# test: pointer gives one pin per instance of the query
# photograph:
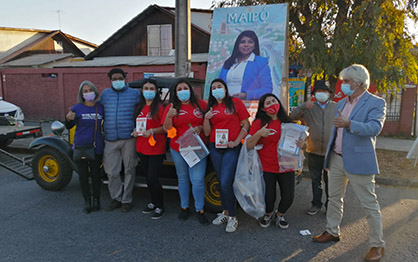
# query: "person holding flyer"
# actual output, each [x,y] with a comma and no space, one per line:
[150,143]
[183,112]
[226,121]
[266,130]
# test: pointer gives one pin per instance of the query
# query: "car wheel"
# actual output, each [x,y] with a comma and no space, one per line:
[50,169]
[5,142]
[212,193]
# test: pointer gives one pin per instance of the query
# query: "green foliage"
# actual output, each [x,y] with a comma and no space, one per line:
[329,35]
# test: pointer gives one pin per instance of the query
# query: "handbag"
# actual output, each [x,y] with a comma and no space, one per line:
[86,152]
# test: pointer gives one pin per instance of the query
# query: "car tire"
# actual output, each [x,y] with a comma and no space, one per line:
[51,169]
[5,142]
[212,193]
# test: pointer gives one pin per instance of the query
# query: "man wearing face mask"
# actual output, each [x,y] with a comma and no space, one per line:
[351,156]
[119,103]
[318,117]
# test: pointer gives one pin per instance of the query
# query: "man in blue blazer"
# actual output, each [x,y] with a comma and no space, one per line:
[351,156]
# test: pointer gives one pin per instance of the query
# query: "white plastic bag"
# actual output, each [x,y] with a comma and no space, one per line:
[249,184]
[192,148]
[289,154]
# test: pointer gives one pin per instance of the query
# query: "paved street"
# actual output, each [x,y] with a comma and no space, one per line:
[37,225]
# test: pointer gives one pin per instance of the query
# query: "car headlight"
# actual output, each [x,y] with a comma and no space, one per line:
[19,116]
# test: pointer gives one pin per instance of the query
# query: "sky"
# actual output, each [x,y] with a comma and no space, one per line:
[91,20]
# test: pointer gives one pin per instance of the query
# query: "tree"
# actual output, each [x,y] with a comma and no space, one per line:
[329,35]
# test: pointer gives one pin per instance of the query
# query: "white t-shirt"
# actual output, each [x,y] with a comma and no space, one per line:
[235,75]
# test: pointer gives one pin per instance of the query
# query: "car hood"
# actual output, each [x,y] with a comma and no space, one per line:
[7,107]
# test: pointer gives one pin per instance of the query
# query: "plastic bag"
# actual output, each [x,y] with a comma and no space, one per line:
[192,148]
[249,184]
[289,154]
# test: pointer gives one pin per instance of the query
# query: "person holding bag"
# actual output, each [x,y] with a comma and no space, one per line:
[266,130]
[151,144]
[183,112]
[226,121]
[87,115]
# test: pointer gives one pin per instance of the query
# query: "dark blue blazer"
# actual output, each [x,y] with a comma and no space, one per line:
[256,80]
[359,143]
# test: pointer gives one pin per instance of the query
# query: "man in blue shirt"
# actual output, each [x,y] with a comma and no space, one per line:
[119,103]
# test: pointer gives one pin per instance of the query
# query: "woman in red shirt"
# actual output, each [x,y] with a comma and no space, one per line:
[226,121]
[186,111]
[150,144]
[266,130]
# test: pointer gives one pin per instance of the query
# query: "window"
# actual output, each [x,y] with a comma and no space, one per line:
[393,106]
[159,40]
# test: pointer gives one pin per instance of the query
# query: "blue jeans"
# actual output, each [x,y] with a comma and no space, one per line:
[195,175]
[317,172]
[224,162]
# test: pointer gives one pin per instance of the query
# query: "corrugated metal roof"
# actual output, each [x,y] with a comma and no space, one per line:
[36,60]
[130,61]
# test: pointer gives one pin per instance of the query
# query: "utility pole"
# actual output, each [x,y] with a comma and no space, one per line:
[182,39]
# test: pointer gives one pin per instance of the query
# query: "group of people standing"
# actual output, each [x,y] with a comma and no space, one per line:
[342,140]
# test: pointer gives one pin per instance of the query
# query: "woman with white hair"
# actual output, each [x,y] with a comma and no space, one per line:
[87,115]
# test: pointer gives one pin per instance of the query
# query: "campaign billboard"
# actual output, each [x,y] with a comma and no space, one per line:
[247,50]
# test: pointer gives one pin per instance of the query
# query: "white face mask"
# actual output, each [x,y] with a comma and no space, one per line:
[321,97]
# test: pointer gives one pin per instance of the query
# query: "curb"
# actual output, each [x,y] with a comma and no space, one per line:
[381,180]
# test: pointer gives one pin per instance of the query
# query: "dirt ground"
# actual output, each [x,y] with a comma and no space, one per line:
[394,165]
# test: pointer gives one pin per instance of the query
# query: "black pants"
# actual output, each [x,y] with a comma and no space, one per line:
[317,172]
[87,169]
[287,190]
[151,165]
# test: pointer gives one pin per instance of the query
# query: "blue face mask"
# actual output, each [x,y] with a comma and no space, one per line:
[118,84]
[321,97]
[218,93]
[346,89]
[183,95]
[149,95]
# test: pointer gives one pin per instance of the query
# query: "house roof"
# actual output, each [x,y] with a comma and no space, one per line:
[129,61]
[76,39]
[203,25]
[39,60]
[39,37]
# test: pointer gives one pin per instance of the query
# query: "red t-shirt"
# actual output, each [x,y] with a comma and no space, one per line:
[268,154]
[142,145]
[223,119]
[188,115]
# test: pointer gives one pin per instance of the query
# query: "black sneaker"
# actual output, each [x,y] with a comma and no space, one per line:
[149,209]
[202,218]
[313,210]
[266,221]
[158,213]
[184,214]
[114,205]
[281,222]
[126,207]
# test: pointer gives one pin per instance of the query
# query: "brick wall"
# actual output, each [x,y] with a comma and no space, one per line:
[45,98]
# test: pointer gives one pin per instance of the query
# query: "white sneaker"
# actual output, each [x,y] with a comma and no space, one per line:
[220,219]
[232,225]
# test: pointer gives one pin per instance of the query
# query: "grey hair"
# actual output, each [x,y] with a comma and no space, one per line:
[80,98]
[358,73]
